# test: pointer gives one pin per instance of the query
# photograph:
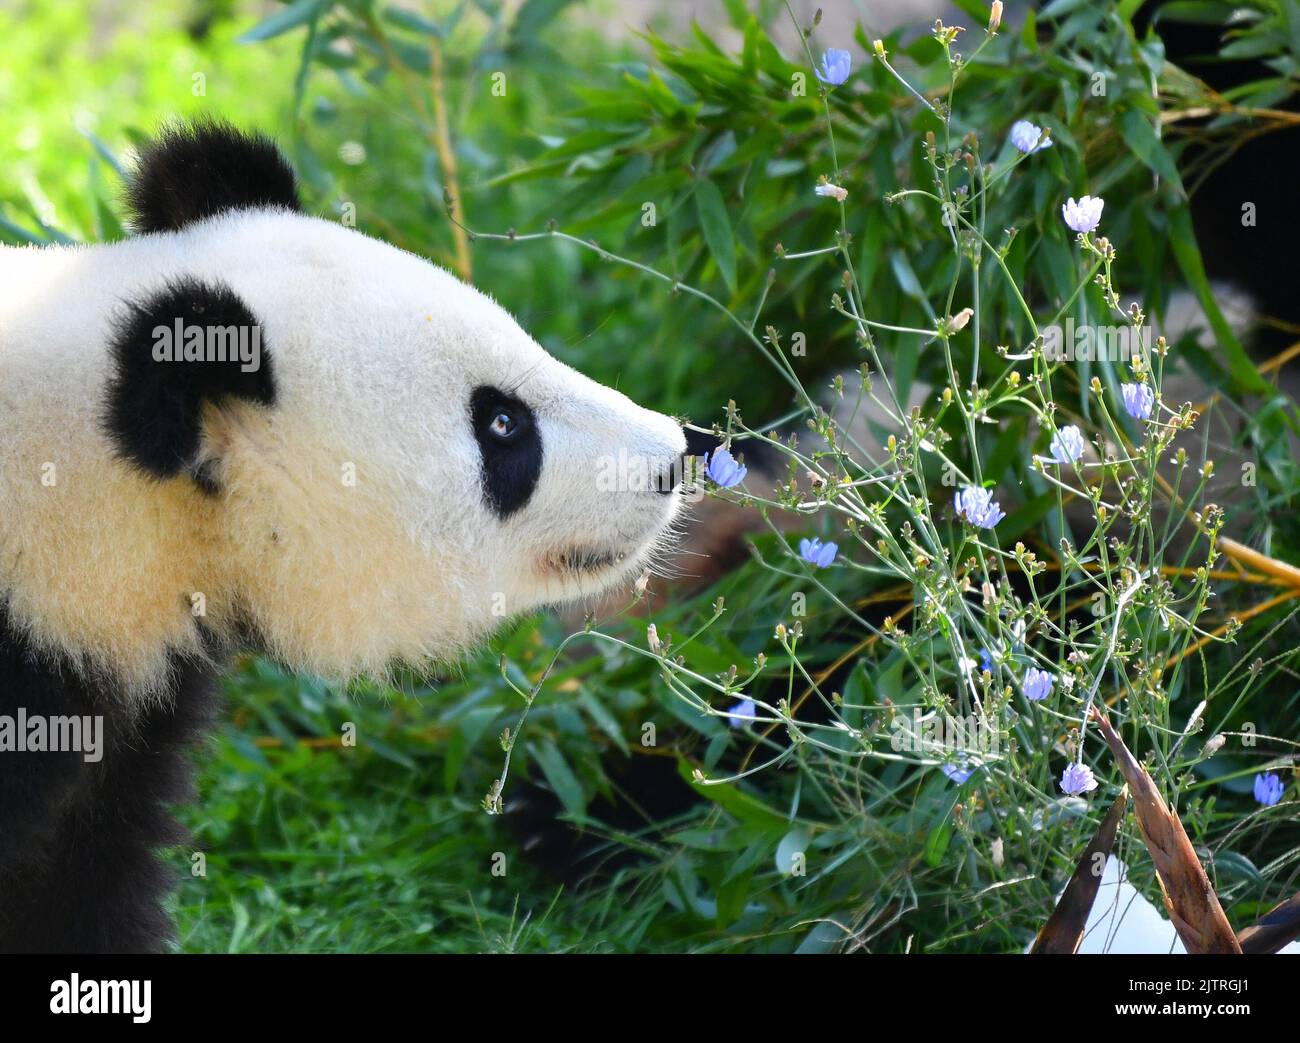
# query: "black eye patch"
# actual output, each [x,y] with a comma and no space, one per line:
[510,448]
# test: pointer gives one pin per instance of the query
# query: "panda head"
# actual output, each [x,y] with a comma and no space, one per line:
[382,467]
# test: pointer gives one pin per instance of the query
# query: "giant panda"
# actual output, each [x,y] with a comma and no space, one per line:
[394,468]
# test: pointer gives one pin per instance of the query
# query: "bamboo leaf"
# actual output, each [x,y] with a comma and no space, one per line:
[1193,906]
[1276,928]
[1183,241]
[717,229]
[287,18]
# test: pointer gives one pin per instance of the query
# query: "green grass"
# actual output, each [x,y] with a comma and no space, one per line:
[350,849]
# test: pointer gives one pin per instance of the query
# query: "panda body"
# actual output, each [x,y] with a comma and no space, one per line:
[401,468]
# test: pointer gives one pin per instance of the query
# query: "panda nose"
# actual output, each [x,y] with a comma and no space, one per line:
[669,477]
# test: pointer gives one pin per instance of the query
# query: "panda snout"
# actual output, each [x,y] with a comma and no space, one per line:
[670,474]
[668,466]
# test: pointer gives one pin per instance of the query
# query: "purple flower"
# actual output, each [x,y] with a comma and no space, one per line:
[986,661]
[724,470]
[959,770]
[741,714]
[1025,136]
[1067,445]
[1268,789]
[1138,400]
[835,68]
[1076,779]
[816,553]
[1085,215]
[978,507]
[1037,684]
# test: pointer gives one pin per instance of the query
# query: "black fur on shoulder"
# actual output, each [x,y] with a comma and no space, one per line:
[195,170]
[190,343]
[79,868]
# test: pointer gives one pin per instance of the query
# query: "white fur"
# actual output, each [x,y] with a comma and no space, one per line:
[374,353]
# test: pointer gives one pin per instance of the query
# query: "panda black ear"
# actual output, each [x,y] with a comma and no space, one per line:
[195,170]
[192,343]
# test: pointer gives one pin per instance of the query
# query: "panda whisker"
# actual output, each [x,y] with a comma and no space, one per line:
[514,390]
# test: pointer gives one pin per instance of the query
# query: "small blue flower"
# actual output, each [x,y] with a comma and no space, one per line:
[1025,136]
[816,553]
[1268,789]
[835,68]
[724,470]
[741,714]
[1067,445]
[978,507]
[1138,400]
[959,770]
[1077,779]
[1037,684]
[1085,215]
[986,661]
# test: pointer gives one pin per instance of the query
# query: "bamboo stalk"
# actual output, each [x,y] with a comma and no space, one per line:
[447,160]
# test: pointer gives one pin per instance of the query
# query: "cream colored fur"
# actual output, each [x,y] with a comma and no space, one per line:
[374,353]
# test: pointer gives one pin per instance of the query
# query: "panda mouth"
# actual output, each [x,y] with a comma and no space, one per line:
[589,559]
[602,560]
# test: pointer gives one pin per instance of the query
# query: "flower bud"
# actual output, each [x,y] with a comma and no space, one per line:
[956,323]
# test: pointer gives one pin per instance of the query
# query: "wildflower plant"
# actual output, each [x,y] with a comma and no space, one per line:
[1087,580]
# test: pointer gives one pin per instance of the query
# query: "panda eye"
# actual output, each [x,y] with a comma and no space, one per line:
[503,425]
[509,445]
